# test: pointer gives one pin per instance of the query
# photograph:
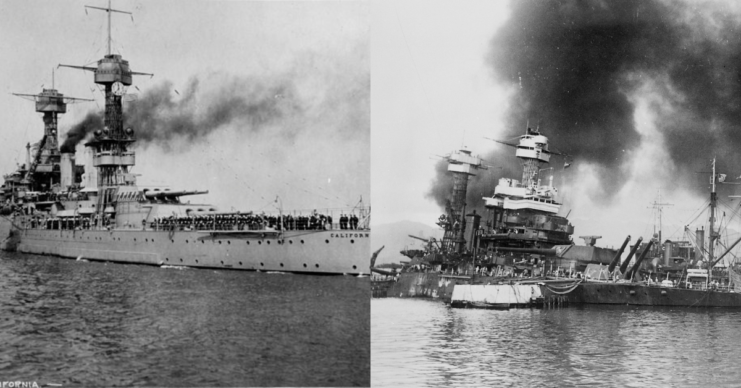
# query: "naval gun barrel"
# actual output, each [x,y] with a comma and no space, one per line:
[382,272]
[419,238]
[164,194]
[537,251]
[633,270]
[619,253]
[624,266]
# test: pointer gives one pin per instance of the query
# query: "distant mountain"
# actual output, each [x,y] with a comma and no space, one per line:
[395,237]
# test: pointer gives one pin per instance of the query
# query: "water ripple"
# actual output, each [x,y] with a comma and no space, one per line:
[424,343]
[96,324]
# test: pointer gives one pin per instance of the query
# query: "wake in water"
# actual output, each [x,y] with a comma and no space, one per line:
[173,266]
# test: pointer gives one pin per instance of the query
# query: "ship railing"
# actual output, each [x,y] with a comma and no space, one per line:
[253,222]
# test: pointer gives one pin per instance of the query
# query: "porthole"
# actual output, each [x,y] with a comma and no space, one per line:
[248,243]
[240,263]
[186,241]
[196,260]
[181,260]
[326,241]
[302,241]
[305,265]
[262,265]
[259,242]
[352,241]
[281,264]
[229,242]
[268,242]
[316,265]
[167,259]
[354,267]
[219,242]
[222,262]
[290,241]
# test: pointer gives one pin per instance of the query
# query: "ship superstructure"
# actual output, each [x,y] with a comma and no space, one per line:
[523,215]
[45,169]
[521,234]
[116,220]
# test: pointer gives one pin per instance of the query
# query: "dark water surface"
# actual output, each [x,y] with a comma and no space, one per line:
[423,343]
[80,323]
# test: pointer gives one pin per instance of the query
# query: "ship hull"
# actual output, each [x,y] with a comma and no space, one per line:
[304,251]
[640,295]
[418,285]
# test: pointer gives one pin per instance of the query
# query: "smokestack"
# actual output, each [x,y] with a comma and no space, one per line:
[90,177]
[28,155]
[67,169]
[472,225]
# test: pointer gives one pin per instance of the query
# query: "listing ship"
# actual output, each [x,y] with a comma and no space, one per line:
[521,236]
[48,209]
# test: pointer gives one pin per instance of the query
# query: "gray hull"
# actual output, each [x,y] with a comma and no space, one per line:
[303,251]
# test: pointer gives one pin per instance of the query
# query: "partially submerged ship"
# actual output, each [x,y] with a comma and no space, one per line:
[521,235]
[46,208]
[676,273]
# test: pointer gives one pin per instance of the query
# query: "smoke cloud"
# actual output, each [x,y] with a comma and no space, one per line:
[81,130]
[162,114]
[577,65]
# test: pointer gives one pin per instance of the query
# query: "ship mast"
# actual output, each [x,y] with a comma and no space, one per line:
[51,103]
[462,165]
[111,155]
[713,202]
[659,206]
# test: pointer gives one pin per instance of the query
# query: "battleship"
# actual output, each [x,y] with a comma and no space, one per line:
[676,273]
[521,236]
[48,208]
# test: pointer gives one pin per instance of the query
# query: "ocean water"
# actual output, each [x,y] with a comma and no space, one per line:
[423,343]
[78,323]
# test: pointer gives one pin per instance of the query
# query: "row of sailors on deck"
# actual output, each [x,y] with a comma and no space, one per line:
[67,223]
[315,221]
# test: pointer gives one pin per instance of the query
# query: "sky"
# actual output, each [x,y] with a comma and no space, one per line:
[445,75]
[414,80]
[302,69]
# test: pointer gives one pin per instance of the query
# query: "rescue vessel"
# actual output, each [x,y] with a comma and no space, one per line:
[47,208]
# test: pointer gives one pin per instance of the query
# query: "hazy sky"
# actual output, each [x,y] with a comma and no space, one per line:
[314,155]
[424,68]
[434,90]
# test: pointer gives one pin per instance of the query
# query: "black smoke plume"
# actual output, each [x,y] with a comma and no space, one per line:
[576,64]
[161,114]
[81,130]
